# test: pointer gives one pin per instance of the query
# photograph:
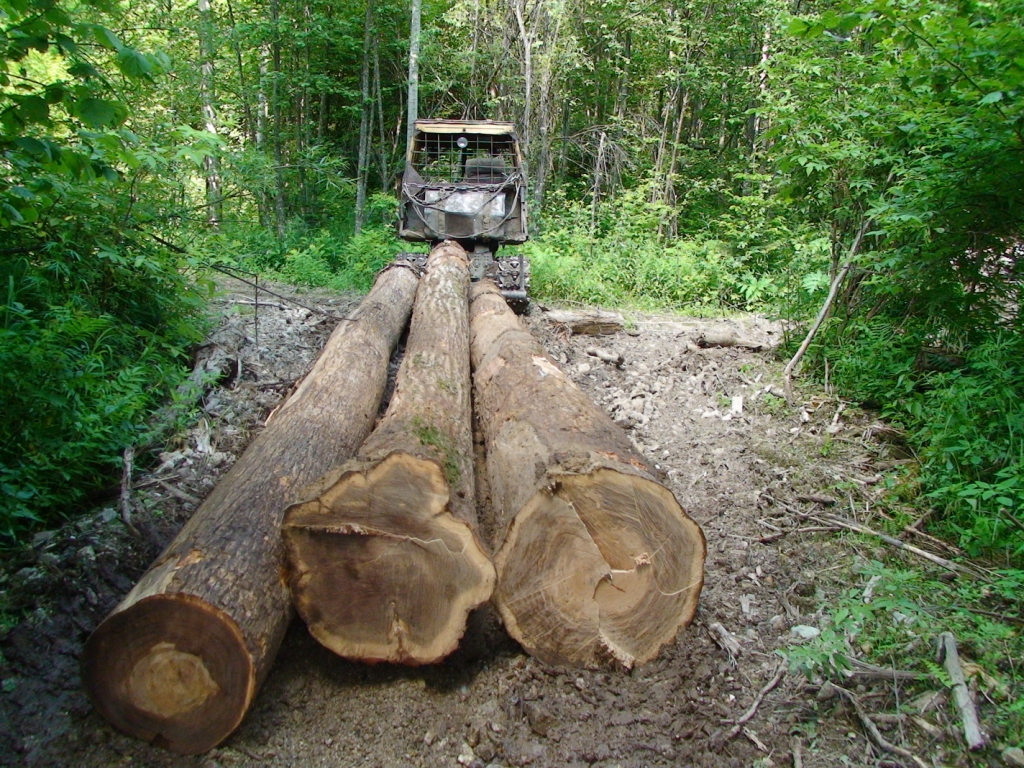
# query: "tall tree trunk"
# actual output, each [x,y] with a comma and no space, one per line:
[207,96]
[365,116]
[542,168]
[262,117]
[275,105]
[412,106]
[595,189]
[245,95]
[518,10]
[179,661]
[383,156]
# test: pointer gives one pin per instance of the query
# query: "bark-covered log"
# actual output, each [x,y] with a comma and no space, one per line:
[592,322]
[384,561]
[598,561]
[179,661]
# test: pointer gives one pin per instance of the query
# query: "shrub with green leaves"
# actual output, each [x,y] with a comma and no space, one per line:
[96,317]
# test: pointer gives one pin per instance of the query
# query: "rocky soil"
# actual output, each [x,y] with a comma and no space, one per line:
[753,470]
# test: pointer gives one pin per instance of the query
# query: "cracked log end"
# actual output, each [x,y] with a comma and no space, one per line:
[378,567]
[172,670]
[599,567]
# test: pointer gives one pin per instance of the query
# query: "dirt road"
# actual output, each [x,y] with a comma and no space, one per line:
[744,463]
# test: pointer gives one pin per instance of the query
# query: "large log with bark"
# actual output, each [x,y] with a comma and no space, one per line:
[179,661]
[384,561]
[598,562]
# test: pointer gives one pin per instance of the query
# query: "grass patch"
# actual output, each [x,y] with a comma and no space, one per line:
[893,617]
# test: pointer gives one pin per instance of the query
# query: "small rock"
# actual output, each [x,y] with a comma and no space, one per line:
[805,632]
[541,721]
[42,538]
[583,368]
[1013,756]
[485,751]
[466,756]
[429,738]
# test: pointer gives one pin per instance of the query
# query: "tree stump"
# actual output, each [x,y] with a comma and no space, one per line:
[179,661]
[384,561]
[598,562]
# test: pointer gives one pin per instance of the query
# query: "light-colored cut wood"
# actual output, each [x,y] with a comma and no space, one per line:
[597,561]
[384,560]
[592,322]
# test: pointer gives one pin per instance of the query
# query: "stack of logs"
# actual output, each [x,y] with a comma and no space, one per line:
[371,533]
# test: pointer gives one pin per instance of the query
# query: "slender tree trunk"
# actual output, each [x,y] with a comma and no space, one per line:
[262,117]
[211,163]
[518,9]
[412,107]
[542,168]
[248,125]
[275,100]
[366,114]
[383,156]
[595,190]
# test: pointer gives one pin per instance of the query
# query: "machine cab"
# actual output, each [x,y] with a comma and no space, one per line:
[464,181]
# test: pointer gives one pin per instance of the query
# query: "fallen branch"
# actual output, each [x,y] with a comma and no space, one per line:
[607,356]
[873,732]
[126,489]
[797,747]
[823,312]
[811,529]
[725,337]
[894,542]
[726,640]
[968,713]
[863,669]
[178,493]
[749,714]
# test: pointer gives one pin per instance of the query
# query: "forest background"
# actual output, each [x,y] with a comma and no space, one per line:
[684,155]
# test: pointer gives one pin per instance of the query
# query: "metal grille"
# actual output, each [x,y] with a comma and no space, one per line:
[438,159]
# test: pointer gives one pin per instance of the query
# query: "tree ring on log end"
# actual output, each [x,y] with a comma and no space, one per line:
[172,670]
[600,566]
[378,567]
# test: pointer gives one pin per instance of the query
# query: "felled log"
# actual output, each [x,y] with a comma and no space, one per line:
[179,661]
[607,355]
[591,322]
[726,337]
[384,562]
[598,562]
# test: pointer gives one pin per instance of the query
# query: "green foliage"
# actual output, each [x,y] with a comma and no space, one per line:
[626,259]
[966,425]
[323,258]
[896,613]
[433,437]
[95,318]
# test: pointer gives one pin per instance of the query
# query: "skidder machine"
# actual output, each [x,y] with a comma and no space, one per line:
[464,181]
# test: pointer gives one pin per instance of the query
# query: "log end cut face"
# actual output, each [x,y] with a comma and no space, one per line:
[600,567]
[172,670]
[378,567]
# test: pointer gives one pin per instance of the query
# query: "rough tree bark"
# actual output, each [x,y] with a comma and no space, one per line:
[384,562]
[598,562]
[179,661]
